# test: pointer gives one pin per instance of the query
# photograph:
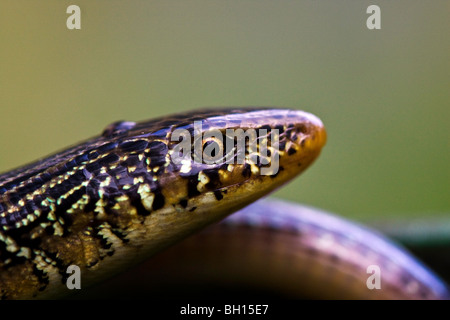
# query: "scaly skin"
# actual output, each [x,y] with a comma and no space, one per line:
[117,199]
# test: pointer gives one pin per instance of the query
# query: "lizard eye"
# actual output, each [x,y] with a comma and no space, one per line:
[213,149]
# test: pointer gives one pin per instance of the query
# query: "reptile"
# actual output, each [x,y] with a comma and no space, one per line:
[115,200]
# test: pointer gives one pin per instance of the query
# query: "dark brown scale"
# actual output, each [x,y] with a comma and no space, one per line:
[90,205]
[218,195]
[133,146]
[280,129]
[71,197]
[192,186]
[264,131]
[159,201]
[92,155]
[60,189]
[120,172]
[214,179]
[183,203]
[81,159]
[109,159]
[282,145]
[14,199]
[247,171]
[132,161]
[107,147]
[157,153]
[66,203]
[93,167]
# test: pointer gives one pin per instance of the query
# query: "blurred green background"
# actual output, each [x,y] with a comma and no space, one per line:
[384,95]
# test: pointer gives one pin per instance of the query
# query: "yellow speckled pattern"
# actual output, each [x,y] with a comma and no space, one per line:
[115,200]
